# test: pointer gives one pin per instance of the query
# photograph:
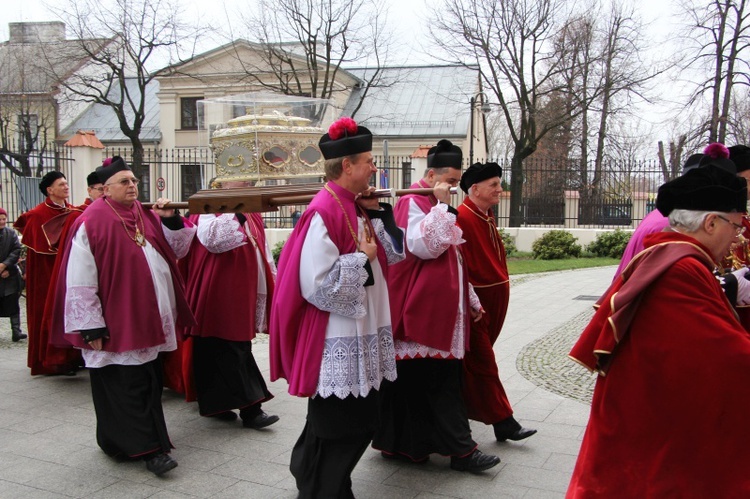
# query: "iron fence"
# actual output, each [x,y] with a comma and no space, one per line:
[604,197]
[19,193]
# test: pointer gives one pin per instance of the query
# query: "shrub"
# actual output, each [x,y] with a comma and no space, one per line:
[508,242]
[276,251]
[610,244]
[556,245]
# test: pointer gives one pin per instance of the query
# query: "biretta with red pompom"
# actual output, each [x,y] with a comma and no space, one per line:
[717,154]
[345,138]
[109,167]
[708,188]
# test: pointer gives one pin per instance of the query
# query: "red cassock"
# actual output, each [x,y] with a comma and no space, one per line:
[484,256]
[669,416]
[40,228]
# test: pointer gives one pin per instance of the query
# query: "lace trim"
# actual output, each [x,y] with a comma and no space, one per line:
[261,326]
[83,310]
[342,291]
[220,233]
[101,358]
[180,239]
[412,349]
[355,365]
[440,230]
[474,302]
[391,254]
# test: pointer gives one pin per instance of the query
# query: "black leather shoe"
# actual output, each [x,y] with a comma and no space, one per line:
[475,462]
[160,464]
[19,337]
[224,416]
[260,421]
[510,429]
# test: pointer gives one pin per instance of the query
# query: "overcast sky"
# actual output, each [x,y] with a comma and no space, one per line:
[406,18]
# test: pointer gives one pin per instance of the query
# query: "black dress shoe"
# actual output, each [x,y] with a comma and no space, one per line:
[475,462]
[160,464]
[225,416]
[260,421]
[19,337]
[510,429]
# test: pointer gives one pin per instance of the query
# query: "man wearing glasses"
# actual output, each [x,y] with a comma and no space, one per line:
[119,299]
[670,405]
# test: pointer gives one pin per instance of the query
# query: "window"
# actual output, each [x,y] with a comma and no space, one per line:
[28,130]
[192,180]
[189,113]
[239,110]
[144,188]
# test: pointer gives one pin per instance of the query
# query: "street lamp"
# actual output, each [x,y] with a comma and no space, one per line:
[484,106]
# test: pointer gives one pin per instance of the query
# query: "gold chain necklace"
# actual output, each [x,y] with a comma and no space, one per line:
[346,216]
[138,238]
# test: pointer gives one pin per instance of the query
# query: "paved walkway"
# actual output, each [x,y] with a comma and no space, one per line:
[48,446]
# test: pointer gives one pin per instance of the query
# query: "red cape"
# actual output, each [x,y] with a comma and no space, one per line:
[669,419]
[40,261]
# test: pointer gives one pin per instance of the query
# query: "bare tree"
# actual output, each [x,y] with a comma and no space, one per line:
[512,43]
[720,30]
[126,42]
[305,43]
[27,109]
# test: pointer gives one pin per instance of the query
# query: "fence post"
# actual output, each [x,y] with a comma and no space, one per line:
[87,155]
[572,198]
[503,209]
[640,200]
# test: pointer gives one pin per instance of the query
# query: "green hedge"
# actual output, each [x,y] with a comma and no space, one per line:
[556,245]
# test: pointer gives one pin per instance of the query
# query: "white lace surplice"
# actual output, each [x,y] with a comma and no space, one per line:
[358,352]
[83,310]
[429,235]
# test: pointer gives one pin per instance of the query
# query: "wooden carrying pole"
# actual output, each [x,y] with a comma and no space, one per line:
[266,198]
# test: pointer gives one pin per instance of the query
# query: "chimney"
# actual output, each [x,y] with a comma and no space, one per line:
[44,32]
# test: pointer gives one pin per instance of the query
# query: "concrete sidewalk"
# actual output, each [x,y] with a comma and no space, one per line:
[48,444]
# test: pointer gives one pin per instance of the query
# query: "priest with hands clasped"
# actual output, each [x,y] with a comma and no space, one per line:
[330,328]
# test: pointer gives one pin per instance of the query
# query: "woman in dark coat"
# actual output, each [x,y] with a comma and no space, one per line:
[11,282]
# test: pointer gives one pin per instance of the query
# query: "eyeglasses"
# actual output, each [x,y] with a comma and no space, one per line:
[738,228]
[125,182]
[100,188]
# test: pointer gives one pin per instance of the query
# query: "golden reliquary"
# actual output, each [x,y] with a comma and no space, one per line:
[270,145]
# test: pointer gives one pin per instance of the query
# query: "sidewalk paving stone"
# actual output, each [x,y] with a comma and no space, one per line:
[48,443]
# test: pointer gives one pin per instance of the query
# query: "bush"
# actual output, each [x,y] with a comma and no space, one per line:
[508,242]
[556,245]
[610,244]
[276,251]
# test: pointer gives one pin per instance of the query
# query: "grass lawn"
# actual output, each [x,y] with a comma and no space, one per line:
[524,264]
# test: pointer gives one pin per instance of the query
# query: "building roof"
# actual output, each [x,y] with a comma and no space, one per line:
[103,121]
[416,101]
[37,56]
[85,138]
